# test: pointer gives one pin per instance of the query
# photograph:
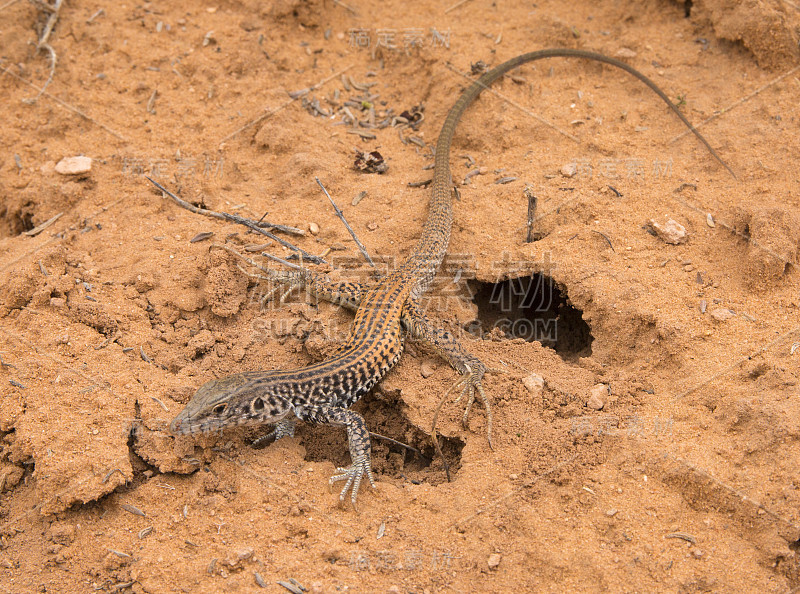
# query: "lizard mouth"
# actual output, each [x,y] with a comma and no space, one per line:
[184,426]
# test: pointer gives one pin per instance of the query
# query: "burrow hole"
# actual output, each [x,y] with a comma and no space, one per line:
[533,308]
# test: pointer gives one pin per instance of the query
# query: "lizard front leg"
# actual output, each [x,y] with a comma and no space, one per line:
[346,294]
[358,443]
[472,369]
[284,428]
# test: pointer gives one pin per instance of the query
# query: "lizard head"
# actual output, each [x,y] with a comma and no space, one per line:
[231,400]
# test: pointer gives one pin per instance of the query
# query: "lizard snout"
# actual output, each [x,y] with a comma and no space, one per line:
[175,426]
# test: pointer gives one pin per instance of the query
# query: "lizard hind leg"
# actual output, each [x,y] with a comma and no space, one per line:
[470,382]
[472,369]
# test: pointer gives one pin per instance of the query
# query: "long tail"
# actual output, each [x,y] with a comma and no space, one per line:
[436,234]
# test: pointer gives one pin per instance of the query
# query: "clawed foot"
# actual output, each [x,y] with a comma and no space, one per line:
[291,281]
[470,382]
[353,475]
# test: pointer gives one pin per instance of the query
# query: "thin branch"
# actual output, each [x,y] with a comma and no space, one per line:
[532,202]
[249,223]
[43,43]
[63,104]
[340,214]
[744,99]
[400,443]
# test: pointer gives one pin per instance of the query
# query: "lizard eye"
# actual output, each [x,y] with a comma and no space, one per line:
[258,404]
[219,409]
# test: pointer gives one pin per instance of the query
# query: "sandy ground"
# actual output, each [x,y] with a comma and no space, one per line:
[684,480]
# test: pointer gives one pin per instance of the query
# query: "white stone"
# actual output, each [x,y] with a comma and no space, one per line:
[597,397]
[74,165]
[534,382]
[569,170]
[671,231]
[722,314]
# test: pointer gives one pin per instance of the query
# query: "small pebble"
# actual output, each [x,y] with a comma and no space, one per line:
[671,231]
[494,560]
[722,314]
[74,165]
[710,220]
[597,397]
[426,369]
[595,403]
[534,382]
[372,226]
[313,228]
[625,52]
[569,170]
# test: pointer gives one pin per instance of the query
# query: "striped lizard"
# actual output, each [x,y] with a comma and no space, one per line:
[385,314]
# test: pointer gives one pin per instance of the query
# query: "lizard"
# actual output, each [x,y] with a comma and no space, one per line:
[385,314]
